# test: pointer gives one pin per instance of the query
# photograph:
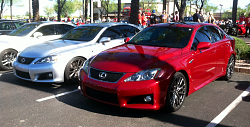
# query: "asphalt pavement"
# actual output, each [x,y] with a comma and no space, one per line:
[220,103]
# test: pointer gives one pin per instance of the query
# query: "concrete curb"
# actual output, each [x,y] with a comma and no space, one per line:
[242,70]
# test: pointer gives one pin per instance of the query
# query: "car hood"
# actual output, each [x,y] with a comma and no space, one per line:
[133,58]
[50,48]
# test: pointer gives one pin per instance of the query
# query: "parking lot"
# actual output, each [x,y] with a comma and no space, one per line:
[28,104]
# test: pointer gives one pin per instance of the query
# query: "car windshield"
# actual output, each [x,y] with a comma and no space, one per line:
[174,37]
[23,30]
[85,33]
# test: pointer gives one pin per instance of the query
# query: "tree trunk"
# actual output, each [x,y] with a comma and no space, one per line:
[181,9]
[35,7]
[164,5]
[86,10]
[1,11]
[134,12]
[119,11]
[83,10]
[60,6]
[234,10]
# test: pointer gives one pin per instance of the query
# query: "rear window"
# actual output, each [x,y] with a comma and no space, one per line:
[174,37]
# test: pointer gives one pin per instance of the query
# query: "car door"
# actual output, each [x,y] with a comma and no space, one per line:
[222,48]
[204,61]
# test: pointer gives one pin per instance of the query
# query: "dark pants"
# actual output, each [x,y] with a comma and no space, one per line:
[247,29]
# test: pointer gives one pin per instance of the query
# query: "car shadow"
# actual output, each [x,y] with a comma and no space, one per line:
[53,88]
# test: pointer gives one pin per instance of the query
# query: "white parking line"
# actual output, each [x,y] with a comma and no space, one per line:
[54,96]
[229,108]
[6,73]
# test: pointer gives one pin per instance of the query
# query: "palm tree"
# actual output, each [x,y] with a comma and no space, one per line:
[134,12]
[35,8]
[119,10]
[86,10]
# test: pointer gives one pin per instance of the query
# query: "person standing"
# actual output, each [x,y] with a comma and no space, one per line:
[144,20]
[211,18]
[139,19]
[153,18]
[201,16]
[196,16]
[176,17]
[242,18]
[247,20]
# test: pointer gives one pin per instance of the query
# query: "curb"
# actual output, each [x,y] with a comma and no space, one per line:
[242,70]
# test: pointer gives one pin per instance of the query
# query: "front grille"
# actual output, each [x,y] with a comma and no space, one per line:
[24,60]
[110,76]
[102,96]
[23,74]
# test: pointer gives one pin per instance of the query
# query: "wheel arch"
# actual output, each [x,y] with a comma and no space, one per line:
[187,78]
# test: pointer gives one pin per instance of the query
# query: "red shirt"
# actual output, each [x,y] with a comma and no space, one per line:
[139,18]
[247,21]
[242,18]
[144,20]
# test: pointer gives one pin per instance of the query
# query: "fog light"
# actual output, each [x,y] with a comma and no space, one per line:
[147,98]
[50,75]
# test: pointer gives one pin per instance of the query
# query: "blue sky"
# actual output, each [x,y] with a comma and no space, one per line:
[43,3]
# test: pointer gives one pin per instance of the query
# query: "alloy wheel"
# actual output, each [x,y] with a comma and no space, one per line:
[178,92]
[74,69]
[8,59]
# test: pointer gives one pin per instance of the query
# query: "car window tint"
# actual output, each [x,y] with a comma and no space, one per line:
[47,30]
[215,34]
[129,31]
[63,28]
[175,37]
[201,35]
[23,30]
[112,32]
[18,24]
[5,26]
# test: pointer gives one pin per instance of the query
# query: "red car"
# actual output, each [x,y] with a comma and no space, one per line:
[159,66]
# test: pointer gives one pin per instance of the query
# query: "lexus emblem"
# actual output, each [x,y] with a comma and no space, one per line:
[102,75]
[23,60]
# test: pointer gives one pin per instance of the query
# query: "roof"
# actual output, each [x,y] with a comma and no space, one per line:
[107,24]
[182,24]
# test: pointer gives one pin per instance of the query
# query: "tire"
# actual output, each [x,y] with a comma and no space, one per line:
[176,93]
[230,68]
[7,57]
[72,69]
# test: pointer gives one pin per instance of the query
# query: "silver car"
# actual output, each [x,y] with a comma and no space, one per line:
[27,35]
[60,60]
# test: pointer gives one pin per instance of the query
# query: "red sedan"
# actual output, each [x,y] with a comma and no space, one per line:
[159,66]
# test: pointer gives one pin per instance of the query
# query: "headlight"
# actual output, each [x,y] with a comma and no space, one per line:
[48,59]
[86,66]
[143,75]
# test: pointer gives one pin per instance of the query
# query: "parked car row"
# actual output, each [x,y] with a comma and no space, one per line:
[6,26]
[122,65]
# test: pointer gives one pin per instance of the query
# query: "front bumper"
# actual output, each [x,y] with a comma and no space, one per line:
[47,72]
[126,94]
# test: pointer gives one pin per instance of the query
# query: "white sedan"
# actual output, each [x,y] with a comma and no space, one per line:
[27,35]
[60,60]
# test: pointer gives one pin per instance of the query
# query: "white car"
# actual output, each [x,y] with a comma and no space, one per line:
[27,35]
[60,60]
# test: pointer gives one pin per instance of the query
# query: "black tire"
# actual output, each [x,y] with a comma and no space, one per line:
[7,57]
[176,93]
[72,69]
[230,68]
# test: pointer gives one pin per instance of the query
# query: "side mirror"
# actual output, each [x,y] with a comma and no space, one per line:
[203,45]
[37,34]
[126,39]
[105,39]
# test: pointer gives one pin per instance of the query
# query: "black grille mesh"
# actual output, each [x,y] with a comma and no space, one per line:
[111,76]
[26,60]
[23,74]
[102,96]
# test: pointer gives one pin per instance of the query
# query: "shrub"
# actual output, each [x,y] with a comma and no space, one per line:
[242,49]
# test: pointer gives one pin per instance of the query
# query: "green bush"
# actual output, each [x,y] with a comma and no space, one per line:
[242,49]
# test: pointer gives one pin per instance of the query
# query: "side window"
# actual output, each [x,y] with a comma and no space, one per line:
[47,30]
[6,26]
[215,34]
[62,29]
[129,31]
[112,32]
[201,35]
[17,24]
